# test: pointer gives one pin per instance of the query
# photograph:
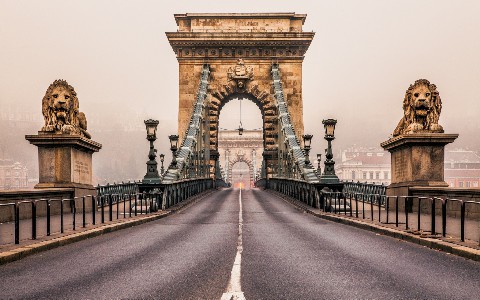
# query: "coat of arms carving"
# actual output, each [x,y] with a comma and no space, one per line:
[240,74]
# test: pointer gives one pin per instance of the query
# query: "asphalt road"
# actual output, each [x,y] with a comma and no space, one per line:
[285,254]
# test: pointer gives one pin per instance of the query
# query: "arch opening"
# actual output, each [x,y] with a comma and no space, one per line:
[234,148]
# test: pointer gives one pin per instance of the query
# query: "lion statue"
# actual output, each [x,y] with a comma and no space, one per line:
[60,110]
[422,106]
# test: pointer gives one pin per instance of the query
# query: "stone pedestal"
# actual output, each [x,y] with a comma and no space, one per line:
[65,161]
[417,160]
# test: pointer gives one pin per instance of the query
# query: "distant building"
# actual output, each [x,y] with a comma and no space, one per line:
[12,175]
[240,155]
[462,169]
[370,165]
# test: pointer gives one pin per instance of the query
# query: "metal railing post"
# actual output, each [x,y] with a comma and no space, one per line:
[61,215]
[462,221]
[17,223]
[74,210]
[396,211]
[34,220]
[419,214]
[110,208]
[406,211]
[444,217]
[84,221]
[48,218]
[433,217]
[371,197]
[102,208]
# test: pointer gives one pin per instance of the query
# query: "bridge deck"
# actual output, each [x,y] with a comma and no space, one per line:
[286,254]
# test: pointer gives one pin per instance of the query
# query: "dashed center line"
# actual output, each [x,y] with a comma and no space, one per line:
[234,288]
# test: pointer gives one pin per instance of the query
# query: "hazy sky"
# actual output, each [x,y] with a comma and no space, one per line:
[364,56]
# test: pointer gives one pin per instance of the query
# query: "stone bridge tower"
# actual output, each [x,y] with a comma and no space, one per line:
[240,49]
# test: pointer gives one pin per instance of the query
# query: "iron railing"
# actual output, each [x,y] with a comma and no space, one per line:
[365,188]
[406,216]
[423,215]
[114,202]
[118,188]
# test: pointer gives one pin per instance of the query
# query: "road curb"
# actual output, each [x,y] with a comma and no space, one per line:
[432,243]
[24,251]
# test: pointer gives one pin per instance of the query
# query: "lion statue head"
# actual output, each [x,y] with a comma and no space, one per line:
[422,106]
[60,110]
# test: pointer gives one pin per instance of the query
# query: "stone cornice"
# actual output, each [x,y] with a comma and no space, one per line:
[419,138]
[241,15]
[59,140]
[240,38]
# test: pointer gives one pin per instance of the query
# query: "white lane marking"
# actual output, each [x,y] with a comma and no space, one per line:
[234,288]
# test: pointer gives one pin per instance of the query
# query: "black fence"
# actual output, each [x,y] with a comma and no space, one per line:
[414,212]
[44,217]
[78,212]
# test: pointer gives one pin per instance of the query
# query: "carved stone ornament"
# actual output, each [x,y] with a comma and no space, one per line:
[422,106]
[240,74]
[60,111]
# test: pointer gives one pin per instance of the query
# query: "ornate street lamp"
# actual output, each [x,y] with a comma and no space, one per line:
[162,159]
[307,141]
[319,161]
[328,175]
[174,147]
[152,172]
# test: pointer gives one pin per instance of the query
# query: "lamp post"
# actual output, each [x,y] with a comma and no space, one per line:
[152,172]
[162,159]
[328,175]
[173,147]
[307,141]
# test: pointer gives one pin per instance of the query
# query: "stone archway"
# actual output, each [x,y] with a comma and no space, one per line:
[240,50]
[238,159]
[242,86]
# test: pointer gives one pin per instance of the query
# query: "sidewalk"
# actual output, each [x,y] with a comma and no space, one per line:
[10,252]
[450,244]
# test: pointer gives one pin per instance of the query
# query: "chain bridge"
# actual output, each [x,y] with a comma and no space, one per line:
[199,238]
